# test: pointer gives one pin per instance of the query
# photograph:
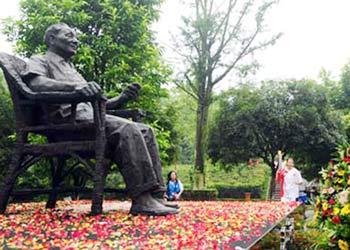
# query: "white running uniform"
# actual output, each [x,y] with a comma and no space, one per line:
[292,180]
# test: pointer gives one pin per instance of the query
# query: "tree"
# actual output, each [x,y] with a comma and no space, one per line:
[338,93]
[292,116]
[216,41]
[334,89]
[117,45]
[345,86]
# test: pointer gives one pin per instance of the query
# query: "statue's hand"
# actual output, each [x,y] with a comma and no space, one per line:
[89,89]
[131,92]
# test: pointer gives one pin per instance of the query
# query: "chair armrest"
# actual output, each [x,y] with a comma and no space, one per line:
[135,114]
[99,113]
[58,97]
[44,99]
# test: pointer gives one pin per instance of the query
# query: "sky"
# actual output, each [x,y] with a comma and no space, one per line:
[316,34]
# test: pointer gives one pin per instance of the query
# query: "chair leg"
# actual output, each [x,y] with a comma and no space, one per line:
[99,183]
[10,179]
[97,193]
[56,171]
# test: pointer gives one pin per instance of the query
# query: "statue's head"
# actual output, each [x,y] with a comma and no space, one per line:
[61,39]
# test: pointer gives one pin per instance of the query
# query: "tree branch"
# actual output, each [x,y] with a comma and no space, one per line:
[190,83]
[239,57]
[186,90]
[225,41]
[225,20]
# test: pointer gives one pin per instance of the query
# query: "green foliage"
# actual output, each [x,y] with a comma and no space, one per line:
[37,176]
[200,195]
[240,177]
[6,126]
[346,123]
[293,116]
[307,239]
[166,148]
[237,175]
[345,86]
[217,176]
[115,180]
[309,170]
[183,121]
[270,241]
[334,89]
[230,130]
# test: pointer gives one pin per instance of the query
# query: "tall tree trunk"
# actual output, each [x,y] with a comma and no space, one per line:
[201,136]
[271,163]
[273,179]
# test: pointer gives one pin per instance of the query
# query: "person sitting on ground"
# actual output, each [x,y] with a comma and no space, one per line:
[174,187]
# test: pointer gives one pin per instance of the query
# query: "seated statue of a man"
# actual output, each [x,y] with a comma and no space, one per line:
[132,146]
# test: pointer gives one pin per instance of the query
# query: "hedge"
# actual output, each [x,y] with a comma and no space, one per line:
[238,192]
[200,195]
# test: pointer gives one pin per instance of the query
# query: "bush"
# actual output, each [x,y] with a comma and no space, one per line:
[307,239]
[200,195]
[238,192]
[270,241]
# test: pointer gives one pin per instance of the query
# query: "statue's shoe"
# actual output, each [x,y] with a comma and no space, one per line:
[168,204]
[158,211]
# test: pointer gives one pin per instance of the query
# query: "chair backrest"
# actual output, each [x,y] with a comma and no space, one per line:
[13,67]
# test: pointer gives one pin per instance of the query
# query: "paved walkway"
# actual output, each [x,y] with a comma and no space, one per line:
[107,206]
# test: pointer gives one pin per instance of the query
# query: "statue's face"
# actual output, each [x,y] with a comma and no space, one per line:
[65,42]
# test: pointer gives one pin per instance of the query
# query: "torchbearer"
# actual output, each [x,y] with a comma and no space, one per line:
[292,182]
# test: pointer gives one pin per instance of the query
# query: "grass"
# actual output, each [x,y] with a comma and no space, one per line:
[232,176]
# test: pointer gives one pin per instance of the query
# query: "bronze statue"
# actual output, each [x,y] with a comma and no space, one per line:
[132,146]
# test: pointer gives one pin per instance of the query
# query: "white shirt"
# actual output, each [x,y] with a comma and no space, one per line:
[292,180]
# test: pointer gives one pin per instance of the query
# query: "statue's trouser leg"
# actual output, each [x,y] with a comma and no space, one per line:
[130,152]
[153,150]
[57,178]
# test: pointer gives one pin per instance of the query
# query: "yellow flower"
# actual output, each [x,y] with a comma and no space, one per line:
[345,210]
[336,211]
[324,206]
[318,201]
[341,172]
[343,245]
[349,181]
